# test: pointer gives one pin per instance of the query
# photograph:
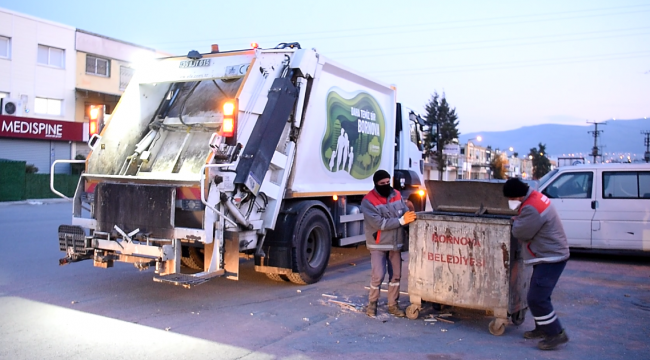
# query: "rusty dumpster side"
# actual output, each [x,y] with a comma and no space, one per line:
[467,261]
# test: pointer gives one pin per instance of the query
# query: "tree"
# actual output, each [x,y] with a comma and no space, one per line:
[442,124]
[498,167]
[541,164]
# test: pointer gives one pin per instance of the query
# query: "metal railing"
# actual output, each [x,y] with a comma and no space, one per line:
[52,174]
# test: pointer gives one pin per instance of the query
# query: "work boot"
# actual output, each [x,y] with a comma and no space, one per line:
[371,310]
[551,342]
[396,311]
[534,334]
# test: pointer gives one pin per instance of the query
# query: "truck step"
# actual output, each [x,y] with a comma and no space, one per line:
[72,241]
[188,280]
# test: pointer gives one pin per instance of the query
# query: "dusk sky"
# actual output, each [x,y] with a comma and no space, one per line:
[502,64]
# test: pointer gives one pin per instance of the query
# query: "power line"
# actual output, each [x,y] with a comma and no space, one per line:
[389,30]
[510,64]
[394,49]
[401,53]
[595,151]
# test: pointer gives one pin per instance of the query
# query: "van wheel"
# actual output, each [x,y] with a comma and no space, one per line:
[311,253]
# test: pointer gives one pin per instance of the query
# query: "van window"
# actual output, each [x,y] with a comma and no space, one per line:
[576,185]
[546,177]
[626,185]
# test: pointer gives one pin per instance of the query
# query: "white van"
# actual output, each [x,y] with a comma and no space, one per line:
[602,206]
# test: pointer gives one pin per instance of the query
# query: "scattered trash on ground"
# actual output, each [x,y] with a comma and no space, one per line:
[348,305]
[445,320]
[384,288]
[330,296]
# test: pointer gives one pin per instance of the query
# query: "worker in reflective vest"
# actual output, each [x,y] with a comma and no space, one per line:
[539,229]
[385,214]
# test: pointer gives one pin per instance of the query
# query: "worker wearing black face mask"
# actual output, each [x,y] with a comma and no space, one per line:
[385,214]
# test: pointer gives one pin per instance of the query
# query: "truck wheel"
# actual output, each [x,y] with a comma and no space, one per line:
[311,253]
[194,260]
[277,277]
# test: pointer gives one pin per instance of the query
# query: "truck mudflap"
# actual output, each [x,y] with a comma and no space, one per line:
[73,241]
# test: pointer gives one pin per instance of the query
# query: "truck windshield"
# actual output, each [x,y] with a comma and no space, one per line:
[416,135]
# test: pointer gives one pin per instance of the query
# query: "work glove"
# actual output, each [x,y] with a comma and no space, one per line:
[407,218]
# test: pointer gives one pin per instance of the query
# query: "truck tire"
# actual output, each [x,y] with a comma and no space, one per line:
[311,252]
[277,277]
[194,260]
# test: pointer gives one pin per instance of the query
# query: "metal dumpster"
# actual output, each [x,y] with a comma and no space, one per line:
[463,254]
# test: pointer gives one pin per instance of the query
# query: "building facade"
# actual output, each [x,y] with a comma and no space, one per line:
[50,74]
[474,162]
[37,81]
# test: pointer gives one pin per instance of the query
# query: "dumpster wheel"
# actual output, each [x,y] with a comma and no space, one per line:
[518,317]
[412,311]
[497,326]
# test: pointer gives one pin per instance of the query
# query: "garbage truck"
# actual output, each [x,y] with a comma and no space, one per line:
[257,153]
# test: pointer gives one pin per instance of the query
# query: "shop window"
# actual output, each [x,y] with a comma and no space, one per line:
[48,106]
[97,66]
[5,47]
[51,56]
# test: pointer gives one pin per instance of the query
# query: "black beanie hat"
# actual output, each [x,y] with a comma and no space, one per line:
[380,175]
[515,188]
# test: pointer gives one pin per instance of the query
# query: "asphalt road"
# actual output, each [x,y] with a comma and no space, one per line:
[81,312]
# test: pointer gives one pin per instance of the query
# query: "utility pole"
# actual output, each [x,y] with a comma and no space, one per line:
[595,151]
[646,156]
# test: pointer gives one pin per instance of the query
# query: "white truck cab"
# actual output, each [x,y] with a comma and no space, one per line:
[602,206]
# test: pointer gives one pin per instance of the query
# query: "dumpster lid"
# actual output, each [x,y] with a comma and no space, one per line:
[468,197]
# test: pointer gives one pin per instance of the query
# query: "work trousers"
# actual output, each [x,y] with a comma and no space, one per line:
[381,261]
[542,283]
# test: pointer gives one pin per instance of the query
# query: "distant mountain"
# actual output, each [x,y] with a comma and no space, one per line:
[618,136]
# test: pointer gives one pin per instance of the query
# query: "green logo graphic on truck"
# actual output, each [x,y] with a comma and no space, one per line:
[354,137]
